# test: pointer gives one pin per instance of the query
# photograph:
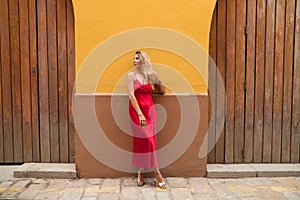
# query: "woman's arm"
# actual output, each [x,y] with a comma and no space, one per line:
[130,88]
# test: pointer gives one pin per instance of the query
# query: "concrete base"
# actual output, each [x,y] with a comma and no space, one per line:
[252,170]
[46,170]
[67,171]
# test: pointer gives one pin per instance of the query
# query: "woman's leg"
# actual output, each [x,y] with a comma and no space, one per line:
[160,180]
[140,178]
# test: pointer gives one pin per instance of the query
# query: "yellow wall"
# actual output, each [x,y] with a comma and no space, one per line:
[97,22]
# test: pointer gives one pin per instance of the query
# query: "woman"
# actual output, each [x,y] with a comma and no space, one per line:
[143,117]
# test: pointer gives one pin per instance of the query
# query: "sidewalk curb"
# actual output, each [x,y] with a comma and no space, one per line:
[68,170]
[252,170]
[46,170]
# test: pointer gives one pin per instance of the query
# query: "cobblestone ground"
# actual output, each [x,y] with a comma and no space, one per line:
[125,188]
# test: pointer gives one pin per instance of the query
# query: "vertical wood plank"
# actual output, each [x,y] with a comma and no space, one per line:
[278,81]
[212,85]
[259,81]
[268,98]
[16,79]
[25,80]
[240,81]
[6,80]
[250,81]
[71,77]
[230,80]
[62,80]
[36,156]
[53,80]
[43,80]
[1,111]
[295,137]
[221,55]
[288,81]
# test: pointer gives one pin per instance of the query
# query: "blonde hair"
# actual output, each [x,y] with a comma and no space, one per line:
[146,66]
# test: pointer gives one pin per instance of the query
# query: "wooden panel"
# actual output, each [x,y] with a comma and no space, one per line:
[36,156]
[295,137]
[230,80]
[6,80]
[288,81]
[212,86]
[62,80]
[25,80]
[37,68]
[278,81]
[71,76]
[43,80]
[1,112]
[268,98]
[240,82]
[53,80]
[259,81]
[221,55]
[250,80]
[16,79]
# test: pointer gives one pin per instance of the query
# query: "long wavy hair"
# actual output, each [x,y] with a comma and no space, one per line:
[146,67]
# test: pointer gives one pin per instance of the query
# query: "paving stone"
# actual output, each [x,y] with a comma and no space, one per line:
[148,193]
[290,195]
[130,193]
[40,181]
[72,193]
[267,193]
[177,182]
[32,191]
[220,187]
[89,198]
[110,186]
[108,196]
[77,183]
[181,193]
[208,196]
[95,181]
[6,184]
[21,184]
[129,182]
[54,189]
[91,191]
[9,194]
[200,185]
[163,194]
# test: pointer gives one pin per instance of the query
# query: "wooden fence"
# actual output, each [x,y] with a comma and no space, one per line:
[37,75]
[256,47]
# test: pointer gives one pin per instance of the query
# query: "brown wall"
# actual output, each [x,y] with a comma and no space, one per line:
[187,165]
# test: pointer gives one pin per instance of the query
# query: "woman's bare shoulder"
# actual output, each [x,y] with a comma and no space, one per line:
[130,74]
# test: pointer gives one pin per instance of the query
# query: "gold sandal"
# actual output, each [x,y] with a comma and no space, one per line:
[161,185]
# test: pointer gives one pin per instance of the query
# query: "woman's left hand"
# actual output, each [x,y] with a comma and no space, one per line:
[143,121]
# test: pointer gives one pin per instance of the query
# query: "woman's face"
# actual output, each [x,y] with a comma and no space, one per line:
[136,60]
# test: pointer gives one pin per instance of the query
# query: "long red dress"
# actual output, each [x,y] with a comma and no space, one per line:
[144,139]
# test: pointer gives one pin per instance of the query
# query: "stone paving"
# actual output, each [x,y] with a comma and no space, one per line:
[126,189]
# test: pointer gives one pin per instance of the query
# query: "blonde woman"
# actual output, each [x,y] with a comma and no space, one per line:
[143,117]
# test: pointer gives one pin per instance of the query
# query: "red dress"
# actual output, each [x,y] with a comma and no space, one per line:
[144,139]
